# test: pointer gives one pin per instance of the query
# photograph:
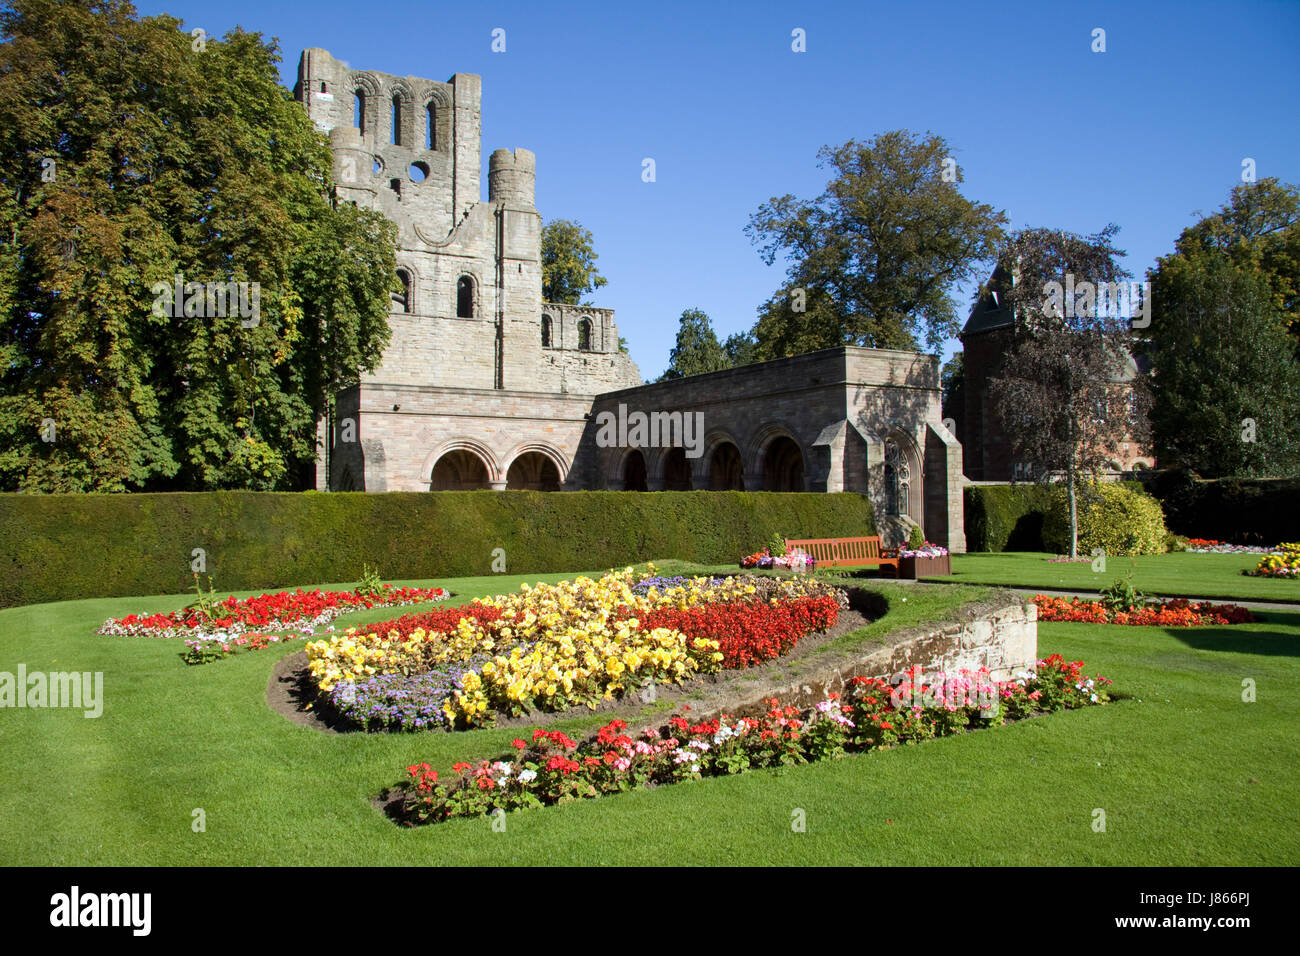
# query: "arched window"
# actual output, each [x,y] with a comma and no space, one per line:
[402,299]
[431,127]
[584,334]
[323,87]
[898,479]
[465,298]
[397,121]
[546,331]
[359,110]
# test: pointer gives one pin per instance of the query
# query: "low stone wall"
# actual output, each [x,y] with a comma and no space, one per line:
[1000,634]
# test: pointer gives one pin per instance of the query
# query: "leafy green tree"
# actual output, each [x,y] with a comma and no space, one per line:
[1259,228]
[135,153]
[1225,379]
[741,348]
[568,263]
[872,259]
[1068,395]
[952,381]
[697,349]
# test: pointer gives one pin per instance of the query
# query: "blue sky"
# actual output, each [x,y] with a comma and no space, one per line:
[1145,134]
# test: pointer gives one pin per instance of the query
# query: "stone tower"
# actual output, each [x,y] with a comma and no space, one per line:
[471,316]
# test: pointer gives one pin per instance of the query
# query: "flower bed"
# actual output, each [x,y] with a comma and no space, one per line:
[1211,546]
[285,610]
[1172,613]
[749,632]
[766,560]
[1282,562]
[553,647]
[552,768]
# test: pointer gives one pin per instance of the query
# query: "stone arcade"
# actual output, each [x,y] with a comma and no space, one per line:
[484,385]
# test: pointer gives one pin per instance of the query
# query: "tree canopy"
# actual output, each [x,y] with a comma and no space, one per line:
[1224,338]
[872,259]
[136,156]
[1067,394]
[568,263]
[697,350]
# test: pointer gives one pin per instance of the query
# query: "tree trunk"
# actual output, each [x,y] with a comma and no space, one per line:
[1074,518]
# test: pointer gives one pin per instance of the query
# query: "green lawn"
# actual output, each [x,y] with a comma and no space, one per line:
[1186,772]
[1176,574]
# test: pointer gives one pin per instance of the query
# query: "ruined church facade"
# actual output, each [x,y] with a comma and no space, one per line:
[485,385]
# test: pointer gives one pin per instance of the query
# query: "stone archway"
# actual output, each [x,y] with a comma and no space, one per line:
[459,470]
[634,471]
[726,468]
[783,468]
[677,470]
[532,471]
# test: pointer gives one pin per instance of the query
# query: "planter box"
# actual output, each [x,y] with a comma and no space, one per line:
[914,568]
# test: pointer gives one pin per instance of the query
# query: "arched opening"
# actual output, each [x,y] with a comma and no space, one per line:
[634,473]
[584,335]
[323,87]
[726,470]
[459,470]
[359,110]
[546,331]
[402,297]
[898,479]
[677,470]
[397,121]
[430,127]
[532,471]
[465,298]
[783,466]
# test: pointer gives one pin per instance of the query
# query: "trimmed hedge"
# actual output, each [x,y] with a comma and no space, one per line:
[62,547]
[1010,517]
[1239,510]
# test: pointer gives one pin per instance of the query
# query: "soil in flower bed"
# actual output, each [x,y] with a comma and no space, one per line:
[290,690]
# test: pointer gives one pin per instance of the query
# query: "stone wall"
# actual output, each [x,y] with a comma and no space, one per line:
[1001,634]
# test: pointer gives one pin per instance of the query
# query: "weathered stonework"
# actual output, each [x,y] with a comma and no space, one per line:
[1002,636]
[484,385]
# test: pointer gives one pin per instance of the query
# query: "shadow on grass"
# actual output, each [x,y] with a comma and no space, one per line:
[1239,640]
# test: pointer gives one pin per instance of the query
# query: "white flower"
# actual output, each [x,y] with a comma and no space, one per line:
[1093,698]
[695,768]
[527,776]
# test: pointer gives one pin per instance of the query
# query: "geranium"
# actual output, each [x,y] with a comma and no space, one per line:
[1175,612]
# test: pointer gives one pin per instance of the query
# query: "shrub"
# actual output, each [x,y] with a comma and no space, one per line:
[1117,519]
[62,547]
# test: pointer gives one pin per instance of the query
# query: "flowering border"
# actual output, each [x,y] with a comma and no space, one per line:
[554,768]
[299,610]
[1176,612]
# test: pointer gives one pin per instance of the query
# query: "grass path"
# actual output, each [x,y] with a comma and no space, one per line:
[1186,772]
[1180,574]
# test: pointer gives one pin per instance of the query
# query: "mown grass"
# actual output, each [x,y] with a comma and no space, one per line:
[1178,574]
[1186,772]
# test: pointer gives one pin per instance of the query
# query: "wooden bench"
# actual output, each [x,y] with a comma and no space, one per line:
[841,552]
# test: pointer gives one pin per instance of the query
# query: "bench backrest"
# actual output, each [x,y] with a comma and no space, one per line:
[842,550]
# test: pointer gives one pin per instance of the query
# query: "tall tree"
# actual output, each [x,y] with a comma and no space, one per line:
[740,348]
[568,263]
[697,349]
[1224,374]
[132,154]
[1069,394]
[873,258]
[1224,368]
[1259,228]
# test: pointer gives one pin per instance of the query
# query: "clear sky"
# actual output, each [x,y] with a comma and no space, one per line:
[1145,134]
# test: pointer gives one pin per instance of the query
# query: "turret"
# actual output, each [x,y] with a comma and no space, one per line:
[512,177]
